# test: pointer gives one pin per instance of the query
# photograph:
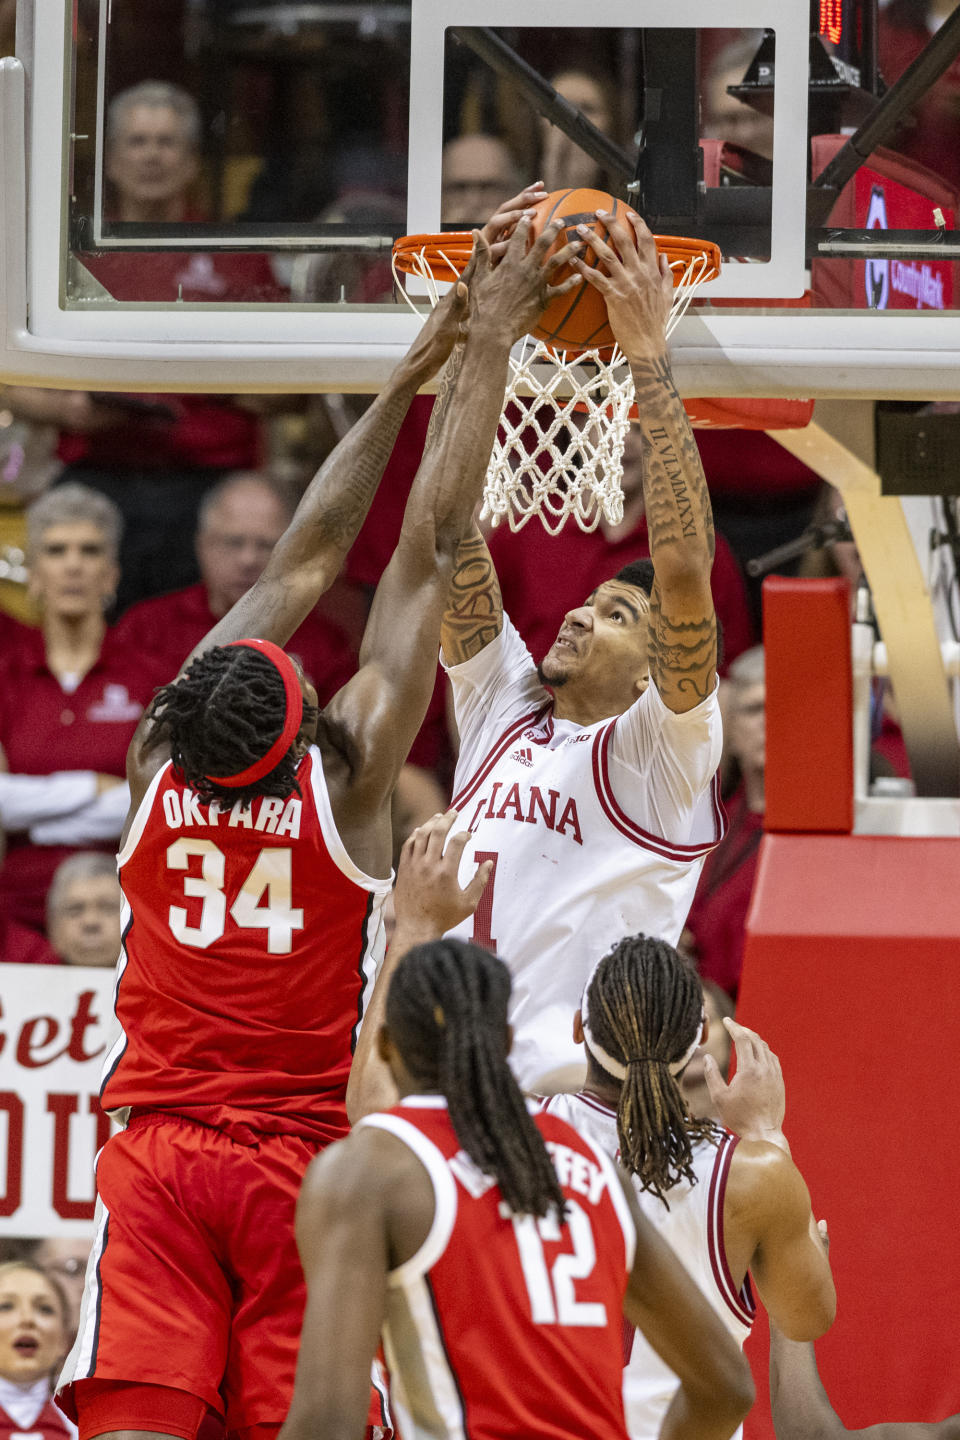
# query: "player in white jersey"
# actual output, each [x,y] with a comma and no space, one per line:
[589,783]
[731,1205]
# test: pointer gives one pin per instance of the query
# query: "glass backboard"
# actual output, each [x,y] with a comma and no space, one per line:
[218,184]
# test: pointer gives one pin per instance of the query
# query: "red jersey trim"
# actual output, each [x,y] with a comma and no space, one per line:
[622,822]
[593,1104]
[506,739]
[741,1302]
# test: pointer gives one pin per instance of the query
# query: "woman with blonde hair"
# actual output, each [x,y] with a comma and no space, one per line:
[34,1337]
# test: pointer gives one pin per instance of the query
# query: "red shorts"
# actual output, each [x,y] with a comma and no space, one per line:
[198,1284]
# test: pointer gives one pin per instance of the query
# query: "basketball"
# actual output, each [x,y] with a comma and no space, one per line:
[577,320]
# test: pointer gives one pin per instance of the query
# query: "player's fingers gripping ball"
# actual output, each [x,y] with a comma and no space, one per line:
[577,320]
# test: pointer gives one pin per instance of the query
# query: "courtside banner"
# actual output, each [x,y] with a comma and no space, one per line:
[54,1023]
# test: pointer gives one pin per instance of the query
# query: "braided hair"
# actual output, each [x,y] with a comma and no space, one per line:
[645,1007]
[223,714]
[447,1015]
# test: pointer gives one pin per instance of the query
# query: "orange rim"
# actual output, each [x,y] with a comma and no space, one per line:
[447,254]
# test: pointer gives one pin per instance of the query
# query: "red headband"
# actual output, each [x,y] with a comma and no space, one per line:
[293,718]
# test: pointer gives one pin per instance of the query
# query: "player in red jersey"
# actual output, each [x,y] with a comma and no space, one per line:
[495,1251]
[252,919]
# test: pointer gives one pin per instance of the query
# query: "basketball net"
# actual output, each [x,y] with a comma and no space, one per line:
[558,451]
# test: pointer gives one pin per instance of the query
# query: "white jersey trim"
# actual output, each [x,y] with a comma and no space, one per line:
[436,1374]
[331,835]
[139,821]
[81,1363]
[444,1197]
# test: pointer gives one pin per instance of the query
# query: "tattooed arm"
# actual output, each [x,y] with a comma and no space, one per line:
[383,706]
[308,556]
[474,613]
[683,625]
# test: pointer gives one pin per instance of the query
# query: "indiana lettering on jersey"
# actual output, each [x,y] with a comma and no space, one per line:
[182,809]
[528,805]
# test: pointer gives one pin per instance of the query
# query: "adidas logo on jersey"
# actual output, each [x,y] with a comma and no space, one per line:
[523,757]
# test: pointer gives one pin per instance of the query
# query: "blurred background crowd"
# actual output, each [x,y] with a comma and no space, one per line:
[129,523]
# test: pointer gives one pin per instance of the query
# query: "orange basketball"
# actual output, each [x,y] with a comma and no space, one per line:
[577,320]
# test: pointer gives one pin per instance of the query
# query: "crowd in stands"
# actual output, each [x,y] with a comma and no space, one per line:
[164,510]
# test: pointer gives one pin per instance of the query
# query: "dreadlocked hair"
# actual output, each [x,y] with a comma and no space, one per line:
[645,1006]
[223,714]
[447,1016]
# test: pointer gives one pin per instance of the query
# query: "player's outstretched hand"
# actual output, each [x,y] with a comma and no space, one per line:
[501,226]
[428,895]
[754,1103]
[509,298]
[445,325]
[638,285]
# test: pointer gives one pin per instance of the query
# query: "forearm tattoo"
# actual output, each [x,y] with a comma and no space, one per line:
[474,614]
[683,645]
[448,384]
[347,483]
[674,487]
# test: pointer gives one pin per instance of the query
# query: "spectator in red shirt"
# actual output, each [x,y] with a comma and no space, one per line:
[715,925]
[155,455]
[239,523]
[577,563]
[931,133]
[70,699]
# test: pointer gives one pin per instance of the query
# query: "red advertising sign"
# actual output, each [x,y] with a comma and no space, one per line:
[904,283]
[54,1023]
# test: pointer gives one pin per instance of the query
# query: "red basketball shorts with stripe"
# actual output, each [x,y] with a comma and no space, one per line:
[198,1284]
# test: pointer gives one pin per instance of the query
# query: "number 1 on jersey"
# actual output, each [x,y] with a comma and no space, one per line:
[483,915]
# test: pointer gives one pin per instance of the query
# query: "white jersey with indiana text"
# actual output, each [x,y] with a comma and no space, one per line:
[596,832]
[693,1227]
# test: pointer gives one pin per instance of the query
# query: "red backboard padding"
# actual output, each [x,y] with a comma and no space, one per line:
[852,973]
[809,766]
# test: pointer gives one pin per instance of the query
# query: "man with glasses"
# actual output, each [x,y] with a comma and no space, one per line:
[240,521]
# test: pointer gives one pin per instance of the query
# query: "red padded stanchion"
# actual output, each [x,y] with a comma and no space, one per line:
[809,765]
[852,973]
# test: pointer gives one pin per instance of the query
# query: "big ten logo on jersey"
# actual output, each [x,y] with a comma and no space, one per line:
[51,1124]
[268,815]
[555,1256]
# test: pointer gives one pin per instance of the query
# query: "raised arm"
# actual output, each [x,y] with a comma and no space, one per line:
[474,613]
[716,1389]
[683,624]
[429,901]
[383,706]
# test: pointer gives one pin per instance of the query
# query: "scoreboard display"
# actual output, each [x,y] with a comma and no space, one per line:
[847,30]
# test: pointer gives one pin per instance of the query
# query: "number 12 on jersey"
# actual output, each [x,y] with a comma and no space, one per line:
[553,1299]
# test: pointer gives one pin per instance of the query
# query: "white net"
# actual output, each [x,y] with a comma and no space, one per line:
[559,446]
